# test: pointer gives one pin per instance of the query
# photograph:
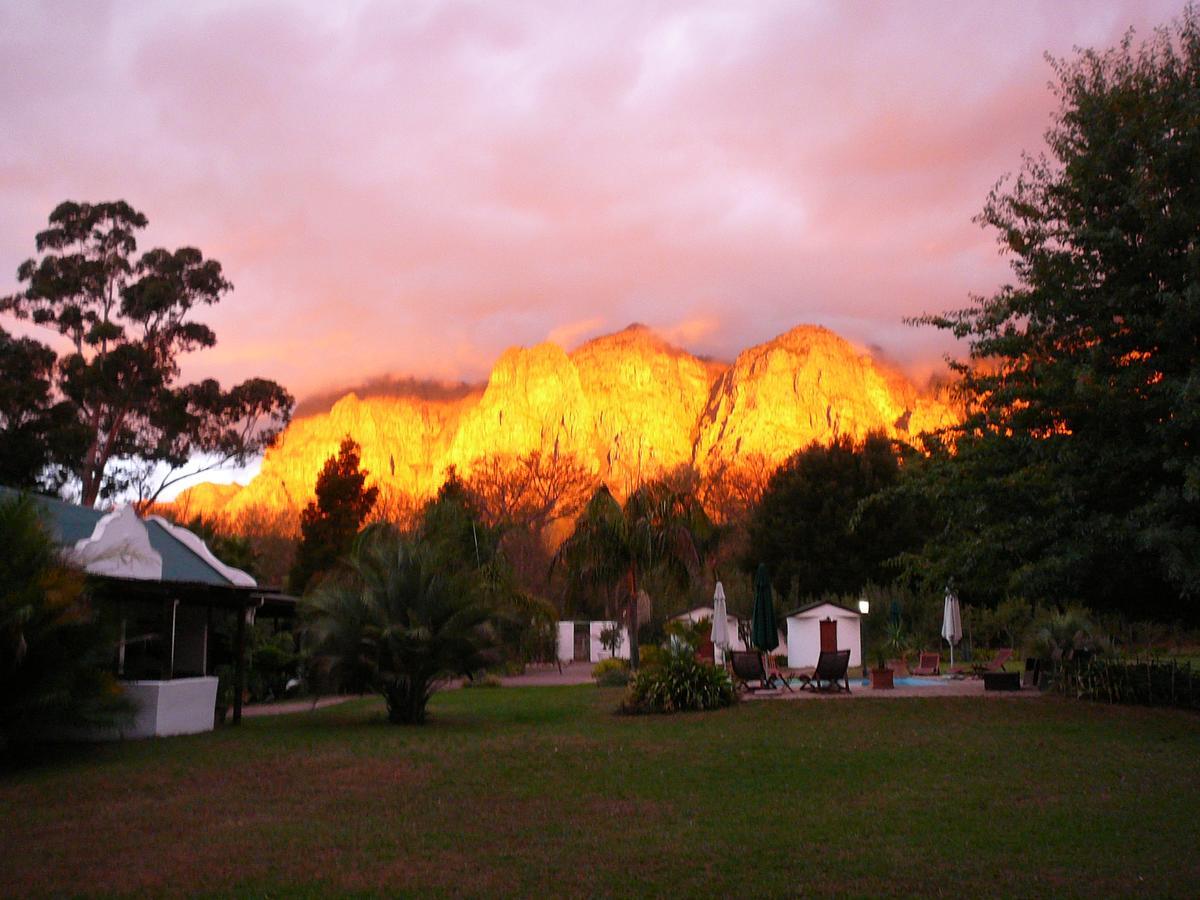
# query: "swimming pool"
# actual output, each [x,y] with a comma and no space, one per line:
[910,681]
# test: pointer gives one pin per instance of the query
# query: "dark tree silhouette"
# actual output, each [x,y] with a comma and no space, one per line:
[329,523]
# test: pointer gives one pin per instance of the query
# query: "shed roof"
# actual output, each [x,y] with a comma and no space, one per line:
[817,604]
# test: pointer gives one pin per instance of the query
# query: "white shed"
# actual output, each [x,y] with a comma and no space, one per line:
[580,642]
[700,613]
[843,628]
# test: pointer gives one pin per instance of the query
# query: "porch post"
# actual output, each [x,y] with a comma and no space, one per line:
[239,664]
[169,611]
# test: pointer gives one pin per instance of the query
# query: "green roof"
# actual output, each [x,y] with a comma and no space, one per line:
[69,523]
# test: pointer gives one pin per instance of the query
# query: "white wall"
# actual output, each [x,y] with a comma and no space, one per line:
[596,650]
[181,706]
[804,636]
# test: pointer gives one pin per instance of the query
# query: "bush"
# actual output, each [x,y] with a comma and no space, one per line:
[54,651]
[1142,682]
[651,656]
[611,672]
[680,684]
[484,681]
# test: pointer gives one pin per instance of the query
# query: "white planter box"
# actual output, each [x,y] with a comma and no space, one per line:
[179,706]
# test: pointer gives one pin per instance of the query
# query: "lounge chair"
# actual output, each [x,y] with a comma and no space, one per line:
[930,664]
[832,666]
[747,667]
[996,664]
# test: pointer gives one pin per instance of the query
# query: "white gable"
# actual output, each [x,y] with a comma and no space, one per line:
[120,547]
[826,611]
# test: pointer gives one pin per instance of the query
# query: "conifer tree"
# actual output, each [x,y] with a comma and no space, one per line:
[329,523]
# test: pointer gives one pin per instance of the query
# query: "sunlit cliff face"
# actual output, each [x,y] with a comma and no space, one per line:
[628,405]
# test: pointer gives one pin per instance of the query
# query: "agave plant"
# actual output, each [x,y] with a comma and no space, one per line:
[393,621]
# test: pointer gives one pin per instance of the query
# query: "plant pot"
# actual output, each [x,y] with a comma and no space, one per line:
[882,679]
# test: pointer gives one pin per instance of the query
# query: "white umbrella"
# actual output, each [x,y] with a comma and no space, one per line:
[951,622]
[720,622]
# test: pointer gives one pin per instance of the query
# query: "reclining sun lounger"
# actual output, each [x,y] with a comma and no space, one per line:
[832,666]
[930,664]
[747,666]
[996,664]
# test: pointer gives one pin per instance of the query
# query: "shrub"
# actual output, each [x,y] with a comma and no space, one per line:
[484,681]
[54,651]
[1149,682]
[651,655]
[611,672]
[680,684]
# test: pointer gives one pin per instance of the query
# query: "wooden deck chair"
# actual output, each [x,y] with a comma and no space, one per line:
[830,673]
[931,664]
[747,667]
[995,664]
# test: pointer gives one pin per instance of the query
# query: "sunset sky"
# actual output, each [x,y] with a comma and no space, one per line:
[409,188]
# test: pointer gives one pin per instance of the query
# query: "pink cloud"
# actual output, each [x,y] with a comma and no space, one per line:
[410,188]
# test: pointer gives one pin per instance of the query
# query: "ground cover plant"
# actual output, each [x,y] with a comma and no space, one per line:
[540,790]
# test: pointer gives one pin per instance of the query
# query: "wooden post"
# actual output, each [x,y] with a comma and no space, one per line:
[169,612]
[239,664]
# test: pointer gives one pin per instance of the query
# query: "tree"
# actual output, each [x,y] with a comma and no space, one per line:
[1075,473]
[528,498]
[813,526]
[129,321]
[393,620]
[34,428]
[615,546]
[329,523]
[55,656]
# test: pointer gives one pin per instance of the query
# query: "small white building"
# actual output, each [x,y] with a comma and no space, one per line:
[580,642]
[842,629]
[702,613]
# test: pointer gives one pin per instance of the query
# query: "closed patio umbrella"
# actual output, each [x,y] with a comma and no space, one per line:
[764,631]
[951,622]
[720,622]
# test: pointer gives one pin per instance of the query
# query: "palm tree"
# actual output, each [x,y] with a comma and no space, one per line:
[392,621]
[615,546]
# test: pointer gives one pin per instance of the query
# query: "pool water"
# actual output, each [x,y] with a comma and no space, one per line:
[911,681]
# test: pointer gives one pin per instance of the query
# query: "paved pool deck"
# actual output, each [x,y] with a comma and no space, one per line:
[937,687]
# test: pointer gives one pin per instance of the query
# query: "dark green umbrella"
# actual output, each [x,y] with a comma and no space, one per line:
[764,632]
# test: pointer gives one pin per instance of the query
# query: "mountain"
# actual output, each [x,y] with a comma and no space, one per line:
[629,405]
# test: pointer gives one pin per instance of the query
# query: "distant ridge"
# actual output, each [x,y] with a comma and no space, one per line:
[629,404]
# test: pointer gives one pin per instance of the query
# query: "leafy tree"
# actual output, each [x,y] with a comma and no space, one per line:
[1075,473]
[451,531]
[528,498]
[34,428]
[128,320]
[615,546]
[393,620]
[813,526]
[55,656]
[329,523]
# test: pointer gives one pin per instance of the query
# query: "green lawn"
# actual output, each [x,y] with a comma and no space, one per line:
[545,791]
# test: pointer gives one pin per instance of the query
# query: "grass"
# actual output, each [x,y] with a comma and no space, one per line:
[543,790]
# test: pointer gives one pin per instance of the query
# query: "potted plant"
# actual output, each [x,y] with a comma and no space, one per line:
[881,676]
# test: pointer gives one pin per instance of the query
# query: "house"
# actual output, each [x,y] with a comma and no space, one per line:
[166,588]
[822,626]
[581,642]
[738,629]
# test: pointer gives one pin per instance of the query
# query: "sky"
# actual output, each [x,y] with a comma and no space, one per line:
[407,189]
